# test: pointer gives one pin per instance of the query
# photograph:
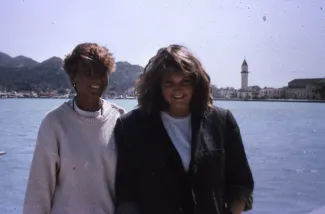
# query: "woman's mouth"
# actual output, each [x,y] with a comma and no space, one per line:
[178,97]
[95,86]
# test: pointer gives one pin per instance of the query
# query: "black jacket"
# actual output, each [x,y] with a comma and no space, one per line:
[150,178]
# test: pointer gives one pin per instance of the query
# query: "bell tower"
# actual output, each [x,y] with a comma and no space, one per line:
[244,75]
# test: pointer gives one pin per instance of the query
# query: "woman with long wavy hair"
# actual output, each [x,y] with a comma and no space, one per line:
[177,153]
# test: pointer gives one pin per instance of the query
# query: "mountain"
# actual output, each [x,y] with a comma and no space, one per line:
[23,61]
[24,74]
[19,61]
[5,59]
[124,77]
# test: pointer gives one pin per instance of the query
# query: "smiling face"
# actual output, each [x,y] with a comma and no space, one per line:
[177,90]
[91,79]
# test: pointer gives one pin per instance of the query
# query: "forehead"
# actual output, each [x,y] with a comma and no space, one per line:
[85,64]
[172,75]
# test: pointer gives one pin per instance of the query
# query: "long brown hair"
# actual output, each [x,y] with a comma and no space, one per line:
[175,58]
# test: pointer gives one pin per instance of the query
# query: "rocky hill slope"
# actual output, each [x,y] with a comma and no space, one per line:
[24,74]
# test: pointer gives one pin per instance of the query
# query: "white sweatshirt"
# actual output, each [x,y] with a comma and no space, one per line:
[73,167]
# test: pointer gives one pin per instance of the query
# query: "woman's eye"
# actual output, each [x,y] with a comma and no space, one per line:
[186,82]
[167,84]
[88,72]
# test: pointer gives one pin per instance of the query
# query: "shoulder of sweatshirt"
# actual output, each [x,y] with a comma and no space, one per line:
[118,108]
[55,112]
[54,117]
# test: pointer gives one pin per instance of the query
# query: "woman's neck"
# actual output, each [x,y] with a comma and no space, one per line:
[88,104]
[181,113]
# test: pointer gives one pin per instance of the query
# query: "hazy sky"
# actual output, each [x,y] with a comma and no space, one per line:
[289,44]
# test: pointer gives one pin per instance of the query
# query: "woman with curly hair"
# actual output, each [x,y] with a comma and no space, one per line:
[177,153]
[73,166]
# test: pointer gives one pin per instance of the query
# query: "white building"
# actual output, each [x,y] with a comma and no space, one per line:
[271,93]
[244,92]
[304,88]
[244,75]
[228,92]
[130,91]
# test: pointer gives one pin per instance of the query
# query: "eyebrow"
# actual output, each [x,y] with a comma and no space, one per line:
[93,66]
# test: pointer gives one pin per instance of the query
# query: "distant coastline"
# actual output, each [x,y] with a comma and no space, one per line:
[271,100]
[215,99]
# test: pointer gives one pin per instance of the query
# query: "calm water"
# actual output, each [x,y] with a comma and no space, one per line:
[285,143]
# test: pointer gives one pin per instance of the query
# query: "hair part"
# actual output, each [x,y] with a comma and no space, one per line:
[90,51]
[174,58]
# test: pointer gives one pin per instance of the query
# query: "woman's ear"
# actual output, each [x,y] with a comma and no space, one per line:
[73,79]
[73,74]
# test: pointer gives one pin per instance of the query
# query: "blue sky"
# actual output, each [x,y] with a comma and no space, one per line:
[289,44]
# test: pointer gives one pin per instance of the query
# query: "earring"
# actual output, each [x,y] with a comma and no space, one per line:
[74,84]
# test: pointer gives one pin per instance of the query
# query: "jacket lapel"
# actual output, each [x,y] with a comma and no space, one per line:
[196,141]
[202,140]
[166,146]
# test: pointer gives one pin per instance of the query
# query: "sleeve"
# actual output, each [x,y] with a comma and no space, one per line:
[43,172]
[238,176]
[124,185]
